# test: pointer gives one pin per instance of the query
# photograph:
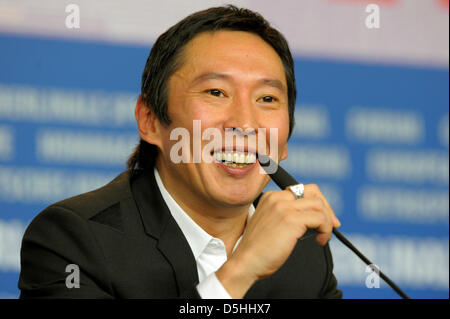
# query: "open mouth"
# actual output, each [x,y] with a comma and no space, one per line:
[235,159]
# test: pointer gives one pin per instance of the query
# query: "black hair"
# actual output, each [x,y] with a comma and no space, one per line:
[165,59]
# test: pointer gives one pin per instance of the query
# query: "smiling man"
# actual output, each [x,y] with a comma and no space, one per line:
[195,229]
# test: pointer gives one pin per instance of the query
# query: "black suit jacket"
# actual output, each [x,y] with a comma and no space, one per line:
[127,245]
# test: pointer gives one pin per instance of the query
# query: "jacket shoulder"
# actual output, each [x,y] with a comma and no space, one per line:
[88,204]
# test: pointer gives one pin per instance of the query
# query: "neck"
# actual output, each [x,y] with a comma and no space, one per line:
[220,221]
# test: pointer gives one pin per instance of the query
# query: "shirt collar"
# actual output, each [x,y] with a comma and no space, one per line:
[197,238]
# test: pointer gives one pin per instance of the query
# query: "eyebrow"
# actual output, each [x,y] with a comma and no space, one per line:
[274,83]
[210,76]
[223,76]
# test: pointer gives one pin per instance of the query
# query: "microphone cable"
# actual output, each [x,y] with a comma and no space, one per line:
[283,179]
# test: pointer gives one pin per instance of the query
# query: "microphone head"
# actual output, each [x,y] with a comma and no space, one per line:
[278,175]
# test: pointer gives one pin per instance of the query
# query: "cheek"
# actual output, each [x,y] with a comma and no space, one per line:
[193,108]
[279,124]
[194,119]
[206,117]
[283,131]
[167,143]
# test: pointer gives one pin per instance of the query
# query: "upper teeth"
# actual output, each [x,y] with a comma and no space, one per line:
[235,157]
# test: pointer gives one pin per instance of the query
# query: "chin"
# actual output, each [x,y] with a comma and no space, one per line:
[231,191]
[237,197]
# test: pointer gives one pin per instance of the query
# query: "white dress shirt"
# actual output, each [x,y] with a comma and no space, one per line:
[209,252]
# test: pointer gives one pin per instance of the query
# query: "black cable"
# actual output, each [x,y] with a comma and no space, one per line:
[283,179]
[347,243]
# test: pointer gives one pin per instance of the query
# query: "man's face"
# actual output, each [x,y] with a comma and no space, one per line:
[228,79]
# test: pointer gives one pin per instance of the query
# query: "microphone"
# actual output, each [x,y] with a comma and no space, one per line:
[283,179]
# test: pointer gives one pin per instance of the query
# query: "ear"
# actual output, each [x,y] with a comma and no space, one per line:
[148,124]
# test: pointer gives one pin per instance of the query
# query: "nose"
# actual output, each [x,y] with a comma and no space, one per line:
[241,121]
[241,116]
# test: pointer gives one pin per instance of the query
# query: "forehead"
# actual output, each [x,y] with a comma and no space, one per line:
[226,50]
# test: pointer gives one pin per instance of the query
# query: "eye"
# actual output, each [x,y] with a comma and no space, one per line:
[268,99]
[215,92]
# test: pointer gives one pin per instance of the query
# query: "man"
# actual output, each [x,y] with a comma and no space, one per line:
[190,229]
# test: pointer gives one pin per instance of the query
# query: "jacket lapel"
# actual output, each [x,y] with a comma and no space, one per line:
[159,224]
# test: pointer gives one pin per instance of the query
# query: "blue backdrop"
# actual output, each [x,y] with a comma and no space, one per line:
[373,137]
